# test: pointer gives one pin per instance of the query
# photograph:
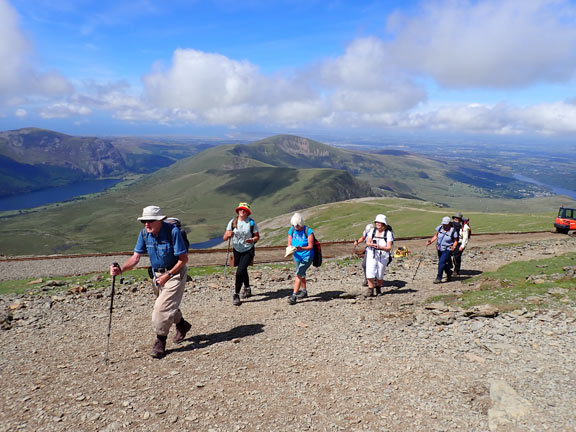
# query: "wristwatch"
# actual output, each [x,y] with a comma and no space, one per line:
[171,274]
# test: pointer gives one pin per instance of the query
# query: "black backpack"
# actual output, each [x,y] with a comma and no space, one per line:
[176,221]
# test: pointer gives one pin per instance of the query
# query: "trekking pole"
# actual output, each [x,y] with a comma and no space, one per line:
[226,264]
[419,262]
[110,317]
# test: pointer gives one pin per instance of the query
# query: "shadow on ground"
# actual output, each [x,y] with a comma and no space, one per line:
[204,341]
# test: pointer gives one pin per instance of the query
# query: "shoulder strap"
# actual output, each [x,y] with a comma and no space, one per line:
[169,227]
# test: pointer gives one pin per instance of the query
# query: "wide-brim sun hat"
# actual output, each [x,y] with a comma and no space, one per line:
[380,218]
[152,213]
[458,215]
[445,220]
[289,251]
[243,206]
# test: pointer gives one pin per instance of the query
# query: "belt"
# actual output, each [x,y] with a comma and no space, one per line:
[161,270]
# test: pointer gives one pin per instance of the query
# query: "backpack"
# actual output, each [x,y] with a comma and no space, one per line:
[173,221]
[316,247]
[470,231]
[176,221]
[388,228]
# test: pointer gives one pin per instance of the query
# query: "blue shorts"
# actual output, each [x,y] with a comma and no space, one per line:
[301,267]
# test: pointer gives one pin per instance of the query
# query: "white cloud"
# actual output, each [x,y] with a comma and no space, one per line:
[63,110]
[378,82]
[19,78]
[20,112]
[490,43]
[201,81]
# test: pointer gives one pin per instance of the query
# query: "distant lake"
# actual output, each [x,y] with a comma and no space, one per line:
[206,244]
[53,195]
[557,190]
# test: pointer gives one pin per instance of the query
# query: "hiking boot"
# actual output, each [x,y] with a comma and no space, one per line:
[246,292]
[437,281]
[448,276]
[368,292]
[302,294]
[378,291]
[182,328]
[159,349]
[292,299]
[236,300]
[456,274]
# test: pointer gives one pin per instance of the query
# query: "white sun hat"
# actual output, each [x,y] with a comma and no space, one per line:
[380,218]
[152,213]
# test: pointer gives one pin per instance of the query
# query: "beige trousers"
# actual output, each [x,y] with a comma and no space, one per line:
[167,305]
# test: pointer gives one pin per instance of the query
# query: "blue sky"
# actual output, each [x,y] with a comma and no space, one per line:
[234,68]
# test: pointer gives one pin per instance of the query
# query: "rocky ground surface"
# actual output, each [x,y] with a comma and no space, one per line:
[333,361]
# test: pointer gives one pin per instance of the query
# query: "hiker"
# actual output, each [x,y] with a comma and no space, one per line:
[446,239]
[302,238]
[244,234]
[356,243]
[379,241]
[168,255]
[464,231]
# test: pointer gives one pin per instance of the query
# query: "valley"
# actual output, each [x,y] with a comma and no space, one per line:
[278,175]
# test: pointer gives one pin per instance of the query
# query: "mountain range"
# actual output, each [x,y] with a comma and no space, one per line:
[280,174]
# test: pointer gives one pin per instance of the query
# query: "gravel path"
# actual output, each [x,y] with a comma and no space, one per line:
[334,361]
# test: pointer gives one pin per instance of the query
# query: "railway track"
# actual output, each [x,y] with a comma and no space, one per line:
[326,246]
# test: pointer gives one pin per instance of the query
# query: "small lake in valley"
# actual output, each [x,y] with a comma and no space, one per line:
[557,190]
[56,194]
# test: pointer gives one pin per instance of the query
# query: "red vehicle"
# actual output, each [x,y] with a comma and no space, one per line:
[566,220]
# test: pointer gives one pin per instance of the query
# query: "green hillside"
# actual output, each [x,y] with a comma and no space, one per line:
[204,202]
[346,220]
[278,175]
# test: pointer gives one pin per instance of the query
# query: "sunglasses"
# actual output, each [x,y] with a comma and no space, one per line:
[147,221]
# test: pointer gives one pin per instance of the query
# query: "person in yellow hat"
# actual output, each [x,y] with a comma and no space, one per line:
[244,234]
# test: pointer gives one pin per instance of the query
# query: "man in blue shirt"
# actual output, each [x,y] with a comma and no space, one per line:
[168,255]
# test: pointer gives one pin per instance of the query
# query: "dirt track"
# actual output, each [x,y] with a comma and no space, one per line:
[63,266]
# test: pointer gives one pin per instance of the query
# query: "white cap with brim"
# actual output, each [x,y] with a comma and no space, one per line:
[152,213]
[445,220]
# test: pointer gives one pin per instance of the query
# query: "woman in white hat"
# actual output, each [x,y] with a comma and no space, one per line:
[244,234]
[362,239]
[379,241]
[446,238]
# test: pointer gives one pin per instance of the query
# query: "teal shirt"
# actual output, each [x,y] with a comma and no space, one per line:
[241,233]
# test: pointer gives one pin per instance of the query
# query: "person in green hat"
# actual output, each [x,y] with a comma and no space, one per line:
[244,234]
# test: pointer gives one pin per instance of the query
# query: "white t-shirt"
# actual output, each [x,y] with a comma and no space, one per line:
[380,240]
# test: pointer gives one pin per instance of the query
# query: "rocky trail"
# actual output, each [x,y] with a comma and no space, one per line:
[333,361]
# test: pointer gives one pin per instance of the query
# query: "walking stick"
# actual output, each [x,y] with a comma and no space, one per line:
[226,264]
[419,261]
[110,317]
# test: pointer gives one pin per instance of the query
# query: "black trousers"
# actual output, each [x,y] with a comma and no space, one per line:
[457,258]
[241,261]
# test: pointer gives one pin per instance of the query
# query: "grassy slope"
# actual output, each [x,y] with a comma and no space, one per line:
[346,220]
[509,287]
[204,189]
[204,201]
